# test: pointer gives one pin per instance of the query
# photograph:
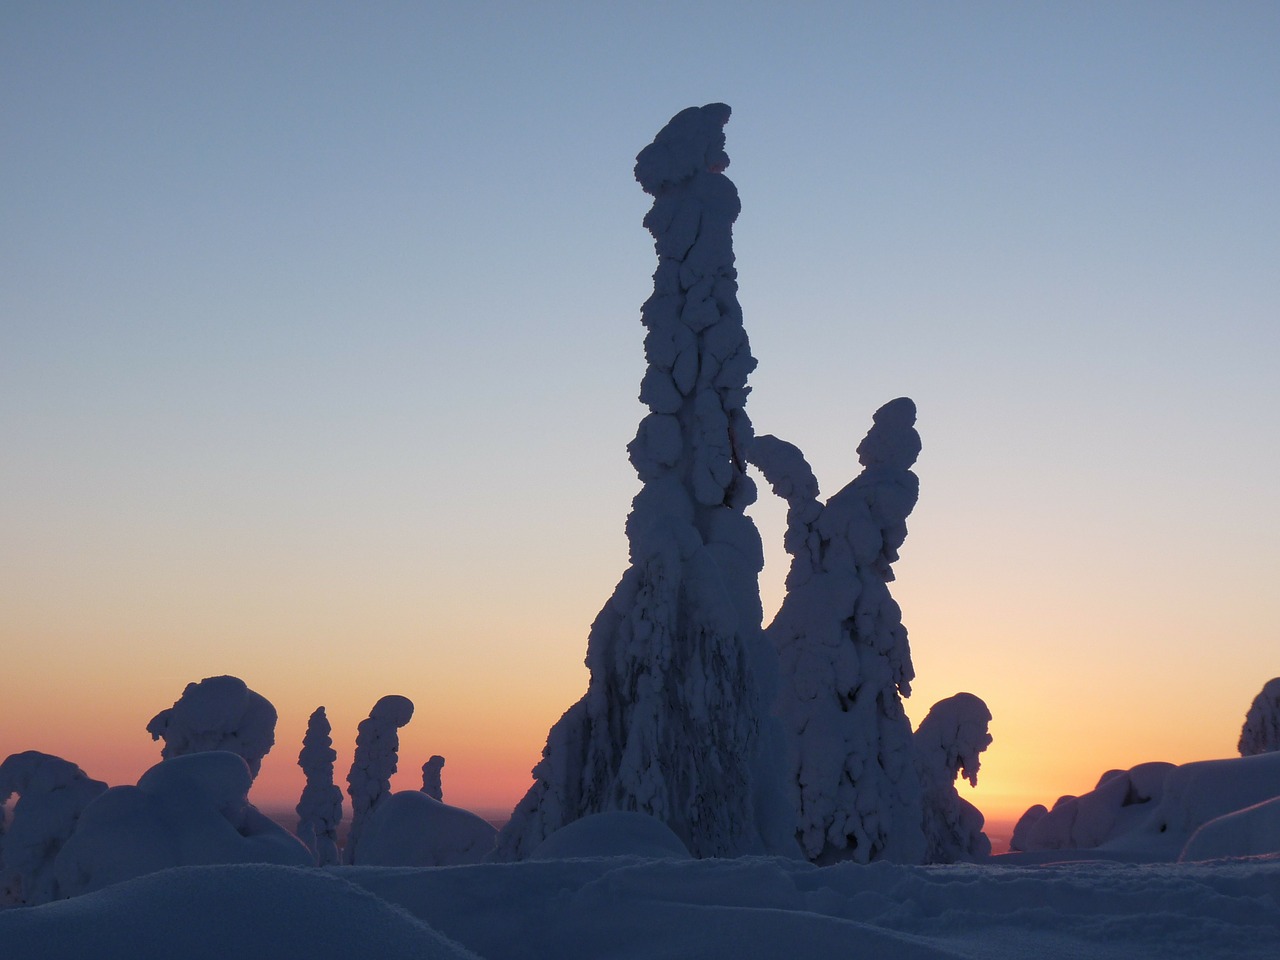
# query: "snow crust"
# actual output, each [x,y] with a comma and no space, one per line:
[218,713]
[320,806]
[844,656]
[186,810]
[1261,731]
[52,795]
[412,829]
[675,721]
[626,907]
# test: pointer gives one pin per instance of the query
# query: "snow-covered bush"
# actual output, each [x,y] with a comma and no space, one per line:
[845,659]
[320,806]
[1261,731]
[1121,799]
[411,829]
[675,720]
[948,743]
[52,795]
[218,713]
[431,784]
[192,809]
[376,756]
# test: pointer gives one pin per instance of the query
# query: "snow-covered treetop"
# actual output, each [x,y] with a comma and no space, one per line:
[1261,732]
[693,140]
[218,713]
[953,735]
[892,440]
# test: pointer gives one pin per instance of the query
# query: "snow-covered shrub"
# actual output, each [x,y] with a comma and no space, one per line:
[52,795]
[411,829]
[675,720]
[1261,731]
[845,659]
[431,784]
[218,713]
[320,806]
[192,809]
[948,743]
[376,756]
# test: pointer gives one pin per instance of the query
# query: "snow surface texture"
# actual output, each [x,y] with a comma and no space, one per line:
[186,810]
[621,833]
[948,743]
[675,719]
[1261,732]
[413,829]
[52,794]
[218,713]
[431,771]
[624,907]
[376,757]
[320,806]
[845,660]
[1152,811]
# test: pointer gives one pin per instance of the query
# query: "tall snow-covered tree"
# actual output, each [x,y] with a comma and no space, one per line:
[320,806]
[674,722]
[376,757]
[948,743]
[845,660]
[1261,730]
[431,771]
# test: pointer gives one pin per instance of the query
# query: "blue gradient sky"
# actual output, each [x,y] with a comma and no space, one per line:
[319,347]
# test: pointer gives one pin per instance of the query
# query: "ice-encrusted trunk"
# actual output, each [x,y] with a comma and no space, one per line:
[320,806]
[844,656]
[675,713]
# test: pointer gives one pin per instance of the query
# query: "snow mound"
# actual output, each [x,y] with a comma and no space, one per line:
[214,913]
[619,833]
[1251,832]
[218,713]
[413,829]
[184,811]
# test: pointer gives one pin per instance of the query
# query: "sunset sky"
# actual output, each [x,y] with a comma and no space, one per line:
[320,346]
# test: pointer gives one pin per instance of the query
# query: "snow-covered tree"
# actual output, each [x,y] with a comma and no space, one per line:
[673,720]
[948,743]
[52,793]
[218,713]
[320,806]
[845,660]
[1261,731]
[376,757]
[431,785]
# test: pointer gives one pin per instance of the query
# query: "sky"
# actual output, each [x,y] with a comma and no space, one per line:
[320,346]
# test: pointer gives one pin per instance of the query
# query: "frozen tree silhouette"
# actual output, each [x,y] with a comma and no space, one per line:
[948,743]
[376,757]
[1261,731]
[218,713]
[431,785]
[320,806]
[674,720]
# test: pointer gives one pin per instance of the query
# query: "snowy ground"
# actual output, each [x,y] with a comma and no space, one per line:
[630,908]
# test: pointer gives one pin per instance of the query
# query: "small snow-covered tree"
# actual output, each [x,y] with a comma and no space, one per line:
[376,757]
[845,660]
[948,743]
[431,785]
[674,721]
[320,806]
[1261,731]
[218,713]
[52,793]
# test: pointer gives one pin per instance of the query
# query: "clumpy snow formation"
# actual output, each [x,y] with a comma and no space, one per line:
[619,833]
[674,722]
[431,785]
[1121,799]
[52,794]
[185,810]
[1261,732]
[844,654]
[412,829]
[377,753]
[218,713]
[320,806]
[948,743]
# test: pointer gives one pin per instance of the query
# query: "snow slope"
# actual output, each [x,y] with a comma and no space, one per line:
[625,907]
